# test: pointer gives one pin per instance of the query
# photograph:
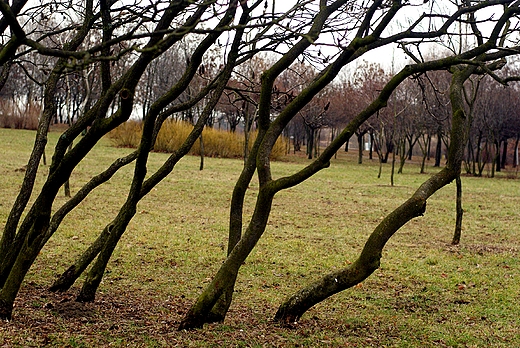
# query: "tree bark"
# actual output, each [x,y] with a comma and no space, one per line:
[197,315]
[515,152]
[459,212]
[25,247]
[392,171]
[503,162]
[201,142]
[310,141]
[360,137]
[69,277]
[438,150]
[139,188]
[221,307]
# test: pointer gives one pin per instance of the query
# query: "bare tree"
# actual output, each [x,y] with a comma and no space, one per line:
[370,22]
[21,242]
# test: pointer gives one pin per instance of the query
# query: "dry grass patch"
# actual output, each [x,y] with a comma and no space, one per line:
[217,143]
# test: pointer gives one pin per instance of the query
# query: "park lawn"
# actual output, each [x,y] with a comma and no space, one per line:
[427,293]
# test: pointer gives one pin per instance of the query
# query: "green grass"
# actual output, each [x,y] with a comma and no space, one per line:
[427,293]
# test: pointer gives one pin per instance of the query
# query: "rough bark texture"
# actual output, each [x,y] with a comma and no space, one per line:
[204,309]
[221,307]
[26,245]
[197,316]
[198,313]
[69,277]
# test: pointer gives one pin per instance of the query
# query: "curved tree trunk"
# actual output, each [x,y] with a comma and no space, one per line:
[293,308]
[197,315]
[221,307]
[95,275]
[67,279]
[71,274]
[34,230]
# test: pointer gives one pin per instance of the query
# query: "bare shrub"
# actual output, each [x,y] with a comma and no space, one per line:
[172,135]
[19,115]
[217,143]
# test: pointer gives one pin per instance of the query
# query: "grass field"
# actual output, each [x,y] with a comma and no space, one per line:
[427,293]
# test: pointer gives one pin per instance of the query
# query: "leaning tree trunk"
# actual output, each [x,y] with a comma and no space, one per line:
[221,307]
[197,315]
[150,129]
[369,260]
[94,277]
[69,277]
[200,311]
[32,232]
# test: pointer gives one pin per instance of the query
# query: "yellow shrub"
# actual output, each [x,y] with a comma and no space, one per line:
[217,143]
[127,134]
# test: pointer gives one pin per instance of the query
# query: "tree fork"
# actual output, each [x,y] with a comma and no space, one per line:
[94,277]
[198,313]
[138,188]
[221,307]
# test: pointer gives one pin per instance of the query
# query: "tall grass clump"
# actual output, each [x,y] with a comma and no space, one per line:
[217,143]
[127,134]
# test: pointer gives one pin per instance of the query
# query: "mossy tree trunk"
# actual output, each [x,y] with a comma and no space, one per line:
[459,213]
[150,130]
[21,244]
[213,303]
[369,260]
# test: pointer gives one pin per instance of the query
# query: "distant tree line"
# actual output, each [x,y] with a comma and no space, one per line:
[416,120]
